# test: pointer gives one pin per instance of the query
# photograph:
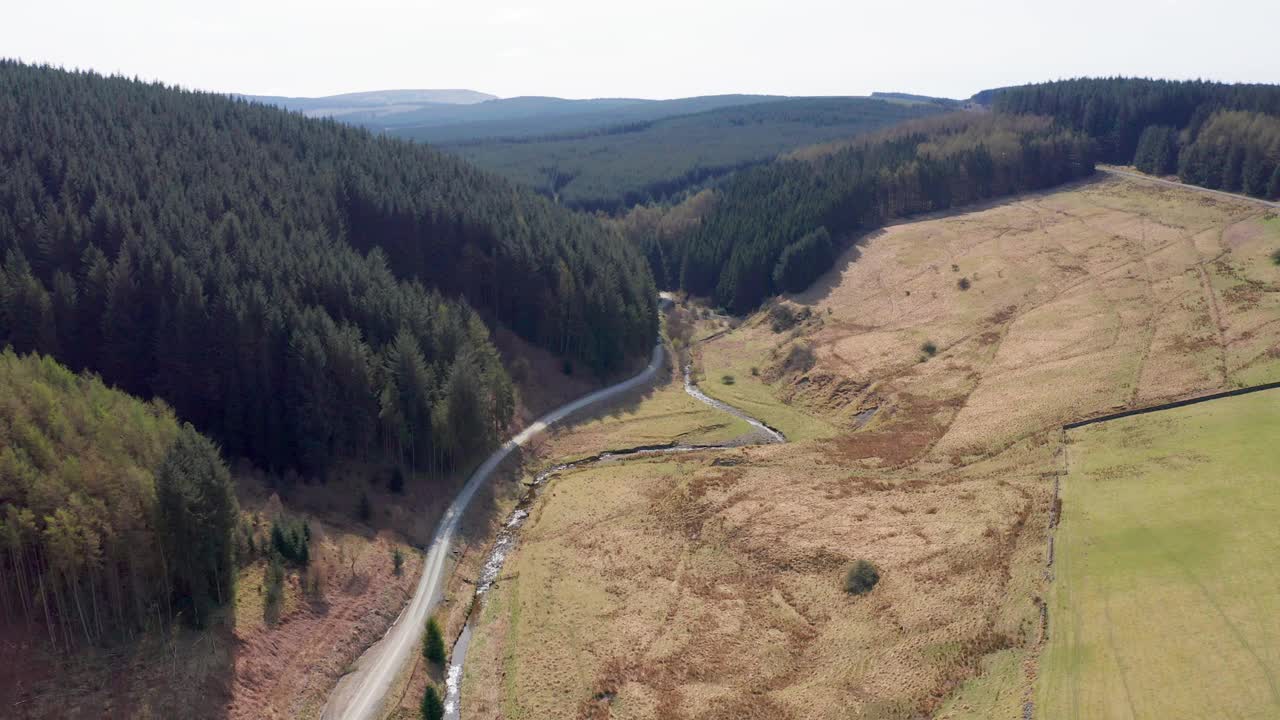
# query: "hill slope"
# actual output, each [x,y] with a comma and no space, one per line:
[534,116]
[611,168]
[110,512]
[774,228]
[289,284]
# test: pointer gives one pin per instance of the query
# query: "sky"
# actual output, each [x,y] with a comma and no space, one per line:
[644,48]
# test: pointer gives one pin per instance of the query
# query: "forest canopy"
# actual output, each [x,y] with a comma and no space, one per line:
[112,515]
[615,167]
[1213,134]
[301,290]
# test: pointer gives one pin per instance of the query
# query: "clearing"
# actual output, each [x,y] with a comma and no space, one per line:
[1166,601]
[709,584]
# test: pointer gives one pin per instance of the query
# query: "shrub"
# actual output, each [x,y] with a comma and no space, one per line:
[861,578]
[964,283]
[800,358]
[432,707]
[781,318]
[433,643]
[929,348]
[726,379]
[397,562]
[291,540]
[274,583]
[755,371]
[1275,257]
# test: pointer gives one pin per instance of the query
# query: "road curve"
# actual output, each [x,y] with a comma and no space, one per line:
[360,693]
[1185,186]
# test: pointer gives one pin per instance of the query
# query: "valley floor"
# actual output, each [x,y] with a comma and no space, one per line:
[709,585]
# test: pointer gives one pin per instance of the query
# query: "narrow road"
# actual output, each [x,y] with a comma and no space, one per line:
[1139,176]
[360,693]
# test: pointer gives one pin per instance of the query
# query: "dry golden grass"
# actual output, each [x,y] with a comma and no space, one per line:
[709,585]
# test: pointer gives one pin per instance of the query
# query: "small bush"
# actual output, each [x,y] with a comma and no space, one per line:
[433,643]
[861,578]
[291,539]
[726,379]
[274,583]
[755,371]
[964,283]
[397,562]
[929,348]
[781,318]
[432,706]
[1275,257]
[800,358]
[955,268]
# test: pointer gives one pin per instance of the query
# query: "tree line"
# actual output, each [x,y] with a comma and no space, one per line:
[1211,134]
[113,516]
[301,290]
[770,229]
[615,168]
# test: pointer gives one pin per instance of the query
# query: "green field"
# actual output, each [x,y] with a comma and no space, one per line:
[1166,600]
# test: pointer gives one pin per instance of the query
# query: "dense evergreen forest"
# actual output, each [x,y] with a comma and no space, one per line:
[1212,134]
[612,168]
[770,228]
[113,516]
[298,289]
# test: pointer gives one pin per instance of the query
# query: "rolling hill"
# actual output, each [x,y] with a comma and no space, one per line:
[612,168]
[301,290]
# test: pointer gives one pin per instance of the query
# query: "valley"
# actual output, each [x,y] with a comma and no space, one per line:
[707,585]
[437,404]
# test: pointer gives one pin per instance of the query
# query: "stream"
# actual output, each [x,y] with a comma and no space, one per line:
[510,531]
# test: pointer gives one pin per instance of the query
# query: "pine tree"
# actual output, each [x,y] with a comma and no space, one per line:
[198,512]
[433,643]
[432,706]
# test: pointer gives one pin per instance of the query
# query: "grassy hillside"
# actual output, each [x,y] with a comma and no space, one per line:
[710,585]
[615,167]
[1165,600]
[776,227]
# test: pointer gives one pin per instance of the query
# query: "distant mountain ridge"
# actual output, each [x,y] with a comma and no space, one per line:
[378,98]
[440,116]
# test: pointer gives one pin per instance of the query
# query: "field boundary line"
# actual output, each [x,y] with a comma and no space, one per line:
[1055,512]
[1171,405]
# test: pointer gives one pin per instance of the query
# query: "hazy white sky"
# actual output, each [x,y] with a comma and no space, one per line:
[644,48]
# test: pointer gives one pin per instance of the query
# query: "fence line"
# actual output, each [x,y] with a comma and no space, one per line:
[1172,405]
[1028,706]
